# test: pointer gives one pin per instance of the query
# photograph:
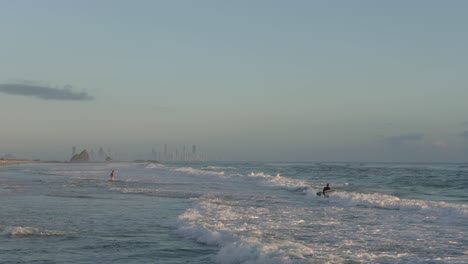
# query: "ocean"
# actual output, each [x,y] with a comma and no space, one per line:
[220,212]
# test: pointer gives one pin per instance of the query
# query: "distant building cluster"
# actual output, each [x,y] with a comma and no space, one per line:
[184,154]
[7,156]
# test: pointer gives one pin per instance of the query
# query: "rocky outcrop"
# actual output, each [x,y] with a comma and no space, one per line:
[81,157]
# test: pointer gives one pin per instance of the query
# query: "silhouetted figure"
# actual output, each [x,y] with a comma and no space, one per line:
[112,175]
[326,188]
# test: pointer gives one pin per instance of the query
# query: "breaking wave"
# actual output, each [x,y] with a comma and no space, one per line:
[30,231]
[191,170]
[290,184]
[237,232]
[391,202]
[154,166]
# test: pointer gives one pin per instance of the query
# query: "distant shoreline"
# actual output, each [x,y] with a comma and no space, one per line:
[15,161]
[5,162]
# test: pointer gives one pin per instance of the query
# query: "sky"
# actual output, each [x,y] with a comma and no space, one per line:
[379,81]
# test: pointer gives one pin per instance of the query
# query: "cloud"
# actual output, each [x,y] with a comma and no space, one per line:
[404,138]
[44,92]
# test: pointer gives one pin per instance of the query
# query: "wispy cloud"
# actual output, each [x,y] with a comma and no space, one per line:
[44,92]
[404,138]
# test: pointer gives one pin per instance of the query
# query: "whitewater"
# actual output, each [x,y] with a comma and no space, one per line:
[234,213]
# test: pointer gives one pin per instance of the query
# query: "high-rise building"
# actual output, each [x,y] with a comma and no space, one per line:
[91,154]
[101,154]
[153,154]
[73,151]
[194,152]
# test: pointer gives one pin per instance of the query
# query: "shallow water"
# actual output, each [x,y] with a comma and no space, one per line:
[234,213]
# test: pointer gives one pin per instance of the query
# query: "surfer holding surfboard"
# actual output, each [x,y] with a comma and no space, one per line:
[325,191]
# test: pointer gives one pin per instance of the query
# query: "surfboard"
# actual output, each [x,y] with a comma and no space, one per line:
[327,192]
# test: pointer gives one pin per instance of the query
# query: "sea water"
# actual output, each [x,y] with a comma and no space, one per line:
[234,213]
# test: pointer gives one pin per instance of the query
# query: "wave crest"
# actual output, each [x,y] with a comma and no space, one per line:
[391,202]
[30,231]
[154,166]
[237,232]
[294,185]
[191,170]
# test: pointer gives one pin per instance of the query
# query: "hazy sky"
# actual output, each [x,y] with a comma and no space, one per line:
[243,80]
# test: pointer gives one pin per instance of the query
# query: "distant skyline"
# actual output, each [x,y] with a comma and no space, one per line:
[244,80]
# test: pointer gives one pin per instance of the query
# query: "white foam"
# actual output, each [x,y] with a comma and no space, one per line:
[390,202]
[238,233]
[249,232]
[191,170]
[154,166]
[280,181]
[220,168]
[261,178]
[30,231]
[250,250]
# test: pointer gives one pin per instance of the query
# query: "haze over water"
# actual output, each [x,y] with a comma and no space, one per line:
[262,80]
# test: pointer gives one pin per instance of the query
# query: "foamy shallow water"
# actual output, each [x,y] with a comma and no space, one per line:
[233,213]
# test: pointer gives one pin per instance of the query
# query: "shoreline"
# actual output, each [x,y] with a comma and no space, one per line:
[5,162]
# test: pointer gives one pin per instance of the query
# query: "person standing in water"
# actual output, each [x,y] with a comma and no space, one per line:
[112,175]
[326,188]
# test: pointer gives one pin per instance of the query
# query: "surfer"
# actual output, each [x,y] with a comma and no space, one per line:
[112,175]
[326,188]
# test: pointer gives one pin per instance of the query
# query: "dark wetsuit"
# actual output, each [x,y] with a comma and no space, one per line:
[326,188]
